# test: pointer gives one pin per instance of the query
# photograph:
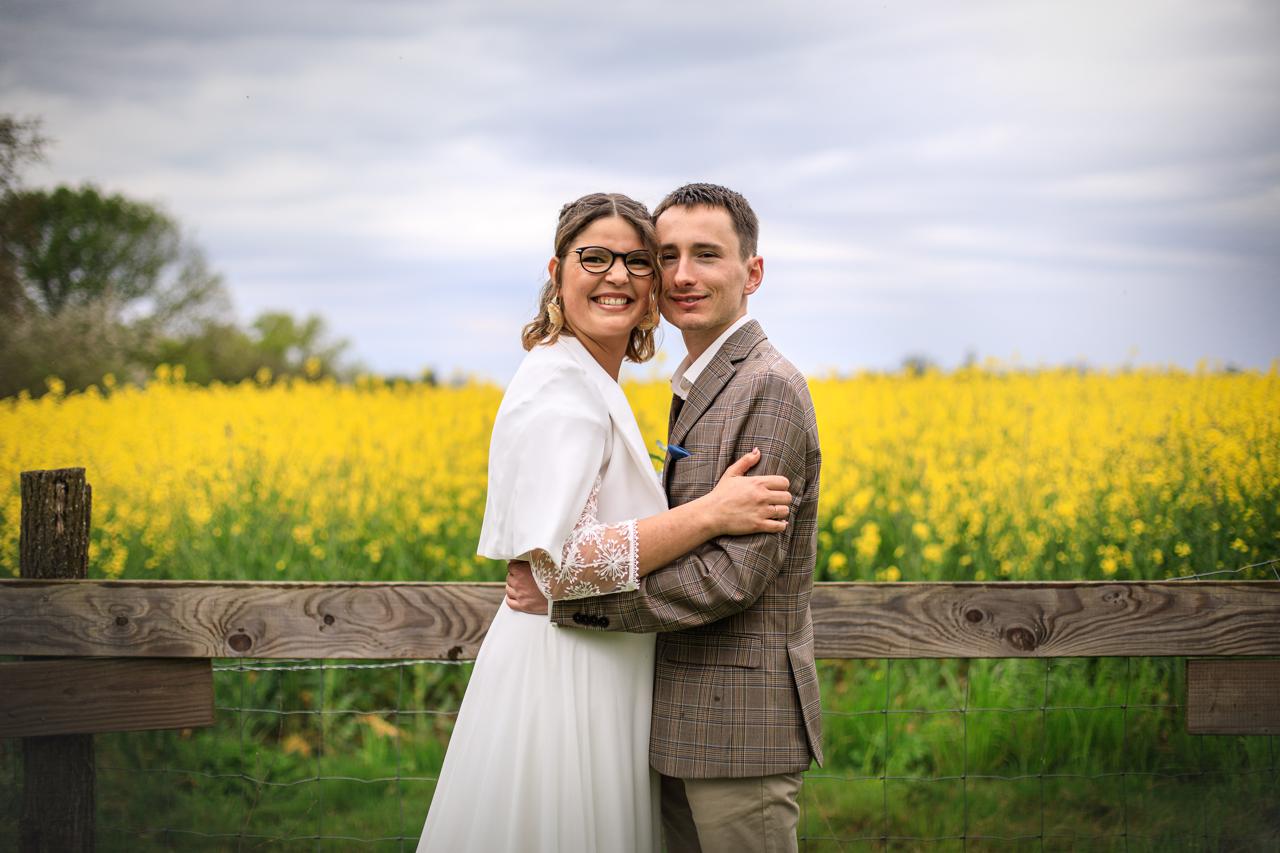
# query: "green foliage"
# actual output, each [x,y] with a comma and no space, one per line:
[278,342]
[95,283]
[20,142]
[75,247]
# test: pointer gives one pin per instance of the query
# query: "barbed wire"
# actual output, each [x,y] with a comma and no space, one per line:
[1274,563]
[824,832]
[296,665]
[830,833]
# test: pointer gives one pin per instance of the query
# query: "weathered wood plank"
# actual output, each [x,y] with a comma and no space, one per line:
[1233,697]
[246,619]
[448,621]
[55,697]
[1047,619]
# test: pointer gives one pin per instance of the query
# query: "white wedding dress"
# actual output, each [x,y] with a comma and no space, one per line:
[550,751]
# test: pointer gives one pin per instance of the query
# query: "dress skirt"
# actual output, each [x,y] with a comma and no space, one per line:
[550,751]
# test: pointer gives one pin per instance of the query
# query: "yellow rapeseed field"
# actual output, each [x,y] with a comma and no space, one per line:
[975,474]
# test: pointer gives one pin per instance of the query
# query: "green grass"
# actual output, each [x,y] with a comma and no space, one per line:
[1091,754]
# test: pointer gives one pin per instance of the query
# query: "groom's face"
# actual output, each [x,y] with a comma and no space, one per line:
[706,280]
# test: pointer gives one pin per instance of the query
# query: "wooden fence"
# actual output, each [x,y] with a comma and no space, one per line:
[135,655]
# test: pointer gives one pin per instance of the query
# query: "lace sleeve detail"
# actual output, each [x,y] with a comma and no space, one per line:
[598,558]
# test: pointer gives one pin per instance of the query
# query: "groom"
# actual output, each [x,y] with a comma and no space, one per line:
[736,718]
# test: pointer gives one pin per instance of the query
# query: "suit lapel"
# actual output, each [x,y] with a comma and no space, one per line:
[712,380]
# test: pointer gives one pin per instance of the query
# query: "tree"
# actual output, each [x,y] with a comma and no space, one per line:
[76,247]
[222,352]
[20,142]
[91,283]
[287,345]
[94,283]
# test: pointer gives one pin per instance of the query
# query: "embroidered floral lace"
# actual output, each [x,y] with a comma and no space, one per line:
[598,558]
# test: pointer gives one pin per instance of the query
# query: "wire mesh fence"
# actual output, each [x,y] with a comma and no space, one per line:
[949,754]
[1010,754]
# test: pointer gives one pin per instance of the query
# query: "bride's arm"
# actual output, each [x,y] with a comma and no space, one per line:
[602,558]
[738,505]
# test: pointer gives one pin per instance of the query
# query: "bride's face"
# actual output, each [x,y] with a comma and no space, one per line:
[605,297]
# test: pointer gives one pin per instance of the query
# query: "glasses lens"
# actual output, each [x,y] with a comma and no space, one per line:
[640,263]
[596,259]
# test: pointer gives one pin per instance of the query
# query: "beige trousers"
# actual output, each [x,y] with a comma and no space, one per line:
[759,814]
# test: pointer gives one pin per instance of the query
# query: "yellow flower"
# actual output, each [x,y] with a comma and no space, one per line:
[868,542]
[1034,473]
[890,574]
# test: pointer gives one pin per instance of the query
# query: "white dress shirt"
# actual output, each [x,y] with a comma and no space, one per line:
[687,374]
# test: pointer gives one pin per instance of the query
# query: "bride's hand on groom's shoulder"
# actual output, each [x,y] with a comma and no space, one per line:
[743,504]
[523,594]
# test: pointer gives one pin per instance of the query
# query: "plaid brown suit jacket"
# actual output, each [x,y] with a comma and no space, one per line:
[735,685]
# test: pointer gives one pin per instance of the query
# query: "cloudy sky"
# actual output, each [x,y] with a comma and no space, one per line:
[1055,182]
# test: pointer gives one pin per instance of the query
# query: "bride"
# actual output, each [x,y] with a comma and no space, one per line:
[550,748]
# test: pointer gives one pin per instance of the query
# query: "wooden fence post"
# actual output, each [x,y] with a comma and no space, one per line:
[58,772]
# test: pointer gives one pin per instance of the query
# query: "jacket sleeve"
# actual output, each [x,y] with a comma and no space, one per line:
[728,574]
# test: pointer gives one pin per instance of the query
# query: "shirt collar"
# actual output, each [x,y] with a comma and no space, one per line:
[687,374]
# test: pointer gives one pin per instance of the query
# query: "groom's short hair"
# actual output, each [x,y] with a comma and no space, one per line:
[713,195]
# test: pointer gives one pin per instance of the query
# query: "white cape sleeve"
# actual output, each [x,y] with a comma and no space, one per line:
[548,446]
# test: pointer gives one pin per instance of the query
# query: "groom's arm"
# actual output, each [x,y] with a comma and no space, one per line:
[728,574]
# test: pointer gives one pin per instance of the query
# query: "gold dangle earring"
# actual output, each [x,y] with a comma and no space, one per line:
[650,321]
[554,315]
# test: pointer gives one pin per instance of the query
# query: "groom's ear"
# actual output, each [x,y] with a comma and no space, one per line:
[755,274]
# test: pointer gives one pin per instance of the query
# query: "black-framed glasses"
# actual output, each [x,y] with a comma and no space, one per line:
[598,259]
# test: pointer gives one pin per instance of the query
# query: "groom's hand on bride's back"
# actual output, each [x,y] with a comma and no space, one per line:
[522,590]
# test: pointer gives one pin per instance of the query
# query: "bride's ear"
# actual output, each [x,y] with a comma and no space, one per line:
[552,266]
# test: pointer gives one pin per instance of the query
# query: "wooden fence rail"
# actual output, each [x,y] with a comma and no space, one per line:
[153,641]
[447,621]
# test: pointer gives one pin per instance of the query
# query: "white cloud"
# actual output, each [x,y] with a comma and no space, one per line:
[386,163]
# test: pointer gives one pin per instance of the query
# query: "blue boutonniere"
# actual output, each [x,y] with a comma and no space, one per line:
[675,450]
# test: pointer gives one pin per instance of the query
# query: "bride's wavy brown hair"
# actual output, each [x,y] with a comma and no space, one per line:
[574,219]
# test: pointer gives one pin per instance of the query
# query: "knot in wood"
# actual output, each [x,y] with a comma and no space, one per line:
[121,621]
[328,619]
[1022,639]
[1115,596]
[974,615]
[454,653]
[240,642]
